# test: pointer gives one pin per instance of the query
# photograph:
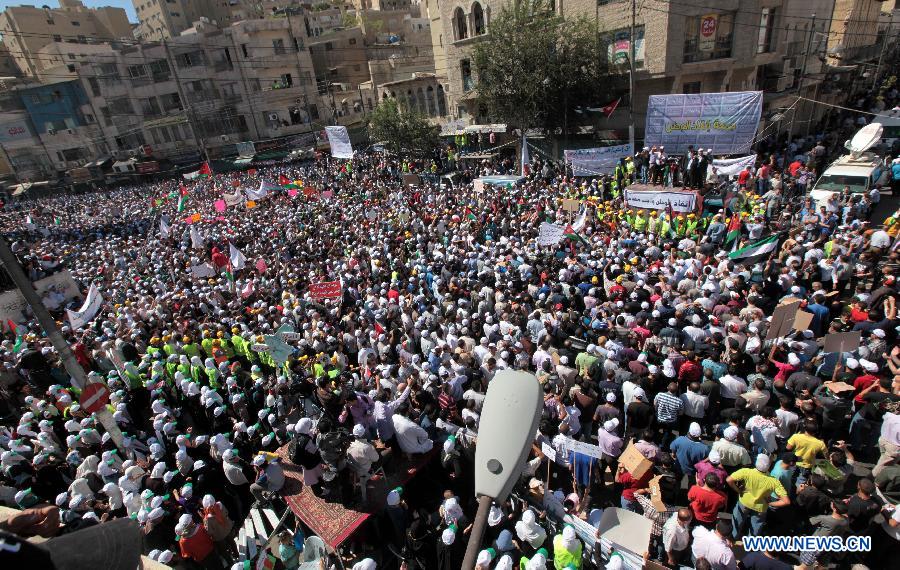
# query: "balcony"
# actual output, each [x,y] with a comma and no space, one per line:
[221,66]
[201,96]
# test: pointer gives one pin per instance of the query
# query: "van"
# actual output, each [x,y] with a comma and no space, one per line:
[859,174]
[891,124]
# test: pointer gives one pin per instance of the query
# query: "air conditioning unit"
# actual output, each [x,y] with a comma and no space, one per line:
[51,131]
[224,138]
[273,117]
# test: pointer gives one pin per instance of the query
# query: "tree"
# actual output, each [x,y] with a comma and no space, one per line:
[535,68]
[402,130]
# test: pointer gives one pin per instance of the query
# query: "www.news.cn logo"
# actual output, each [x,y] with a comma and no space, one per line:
[808,543]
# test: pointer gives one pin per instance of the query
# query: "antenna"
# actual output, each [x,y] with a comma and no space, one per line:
[864,139]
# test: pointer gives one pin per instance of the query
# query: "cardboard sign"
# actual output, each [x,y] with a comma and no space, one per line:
[569,205]
[291,336]
[842,342]
[478,185]
[802,320]
[549,452]
[260,348]
[656,495]
[838,387]
[634,462]
[782,320]
[325,290]
[411,180]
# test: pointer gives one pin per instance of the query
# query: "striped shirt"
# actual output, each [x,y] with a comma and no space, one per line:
[668,407]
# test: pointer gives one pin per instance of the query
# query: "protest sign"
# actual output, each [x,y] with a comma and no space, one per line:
[802,320]
[842,342]
[232,199]
[724,122]
[88,310]
[732,166]
[219,205]
[660,200]
[325,290]
[550,234]
[634,462]
[583,448]
[339,140]
[202,270]
[549,452]
[569,205]
[782,320]
[594,161]
[627,533]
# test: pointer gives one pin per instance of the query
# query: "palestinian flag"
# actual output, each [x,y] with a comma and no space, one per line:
[205,170]
[756,251]
[734,229]
[20,344]
[284,180]
[182,202]
[469,214]
[573,235]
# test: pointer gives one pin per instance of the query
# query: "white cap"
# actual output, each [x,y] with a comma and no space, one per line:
[763,462]
[694,429]
[731,433]
[714,457]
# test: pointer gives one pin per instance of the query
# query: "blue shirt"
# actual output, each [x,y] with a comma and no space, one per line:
[783,474]
[688,452]
[820,316]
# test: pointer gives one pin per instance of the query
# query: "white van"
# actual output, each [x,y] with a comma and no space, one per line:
[891,124]
[860,174]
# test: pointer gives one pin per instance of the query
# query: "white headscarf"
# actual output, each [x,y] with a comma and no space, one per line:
[529,530]
[89,465]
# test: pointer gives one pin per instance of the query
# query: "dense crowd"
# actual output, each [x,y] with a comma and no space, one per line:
[645,328]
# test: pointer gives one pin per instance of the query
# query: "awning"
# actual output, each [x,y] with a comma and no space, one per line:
[99,162]
[497,128]
[241,160]
[26,186]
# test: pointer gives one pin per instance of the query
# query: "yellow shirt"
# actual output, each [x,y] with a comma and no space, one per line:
[807,448]
[758,487]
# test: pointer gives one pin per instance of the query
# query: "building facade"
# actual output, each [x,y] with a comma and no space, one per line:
[27,29]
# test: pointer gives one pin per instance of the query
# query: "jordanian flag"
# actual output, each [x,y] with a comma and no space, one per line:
[573,235]
[734,229]
[757,250]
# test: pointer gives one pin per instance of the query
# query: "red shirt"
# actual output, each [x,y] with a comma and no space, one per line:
[743,177]
[630,484]
[197,546]
[784,370]
[689,372]
[706,503]
[794,167]
[861,384]
[858,316]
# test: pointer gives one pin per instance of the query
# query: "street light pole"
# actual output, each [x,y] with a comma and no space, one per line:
[11,264]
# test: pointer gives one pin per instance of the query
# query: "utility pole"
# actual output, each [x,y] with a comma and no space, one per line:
[632,50]
[185,103]
[884,43]
[15,272]
[246,88]
[812,32]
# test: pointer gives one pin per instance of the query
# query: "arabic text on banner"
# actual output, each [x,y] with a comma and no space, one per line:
[591,161]
[723,122]
[339,139]
[550,234]
[88,311]
[233,199]
[732,166]
[325,290]
[681,201]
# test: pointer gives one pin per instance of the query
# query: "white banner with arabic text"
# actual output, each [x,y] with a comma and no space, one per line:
[660,200]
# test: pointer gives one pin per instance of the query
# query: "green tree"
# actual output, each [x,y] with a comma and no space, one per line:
[402,131]
[534,69]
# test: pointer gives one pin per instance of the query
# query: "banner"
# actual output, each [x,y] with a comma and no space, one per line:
[724,122]
[202,270]
[325,290]
[708,26]
[88,311]
[732,166]
[594,161]
[233,199]
[550,234]
[238,260]
[682,202]
[339,140]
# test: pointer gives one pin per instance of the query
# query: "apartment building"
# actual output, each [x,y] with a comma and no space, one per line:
[29,28]
[164,19]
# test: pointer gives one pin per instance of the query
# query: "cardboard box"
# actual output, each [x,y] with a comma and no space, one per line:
[634,462]
[656,495]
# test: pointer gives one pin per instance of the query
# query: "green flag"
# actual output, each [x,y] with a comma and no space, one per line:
[182,203]
[20,344]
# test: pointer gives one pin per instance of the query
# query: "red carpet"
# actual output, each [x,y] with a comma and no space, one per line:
[332,522]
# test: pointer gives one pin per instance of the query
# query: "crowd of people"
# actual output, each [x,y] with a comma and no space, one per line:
[643,330]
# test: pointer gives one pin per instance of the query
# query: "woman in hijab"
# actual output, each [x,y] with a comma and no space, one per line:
[155,481]
[116,502]
[505,545]
[529,531]
[450,549]
[88,470]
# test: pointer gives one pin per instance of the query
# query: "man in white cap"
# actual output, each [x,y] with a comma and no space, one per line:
[755,488]
[361,455]
[733,455]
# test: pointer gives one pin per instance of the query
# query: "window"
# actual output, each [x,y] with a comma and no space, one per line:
[478,19]
[149,107]
[244,50]
[72,154]
[82,39]
[465,71]
[286,80]
[135,71]
[693,87]
[71,56]
[121,106]
[88,118]
[109,70]
[313,112]
[71,68]
[708,37]
[191,59]
[57,38]
[254,85]
[328,46]
[766,41]
[175,14]
[352,42]
[278,46]
[159,69]
[95,86]
[171,102]
[76,23]
[459,24]
[619,49]
[356,67]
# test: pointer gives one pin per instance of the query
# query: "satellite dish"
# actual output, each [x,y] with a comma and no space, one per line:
[864,139]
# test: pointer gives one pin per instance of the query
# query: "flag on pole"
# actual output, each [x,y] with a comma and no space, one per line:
[756,251]
[609,108]
[734,230]
[238,260]
[182,202]
[19,345]
[570,233]
[526,158]
[205,170]
[163,229]
[196,239]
